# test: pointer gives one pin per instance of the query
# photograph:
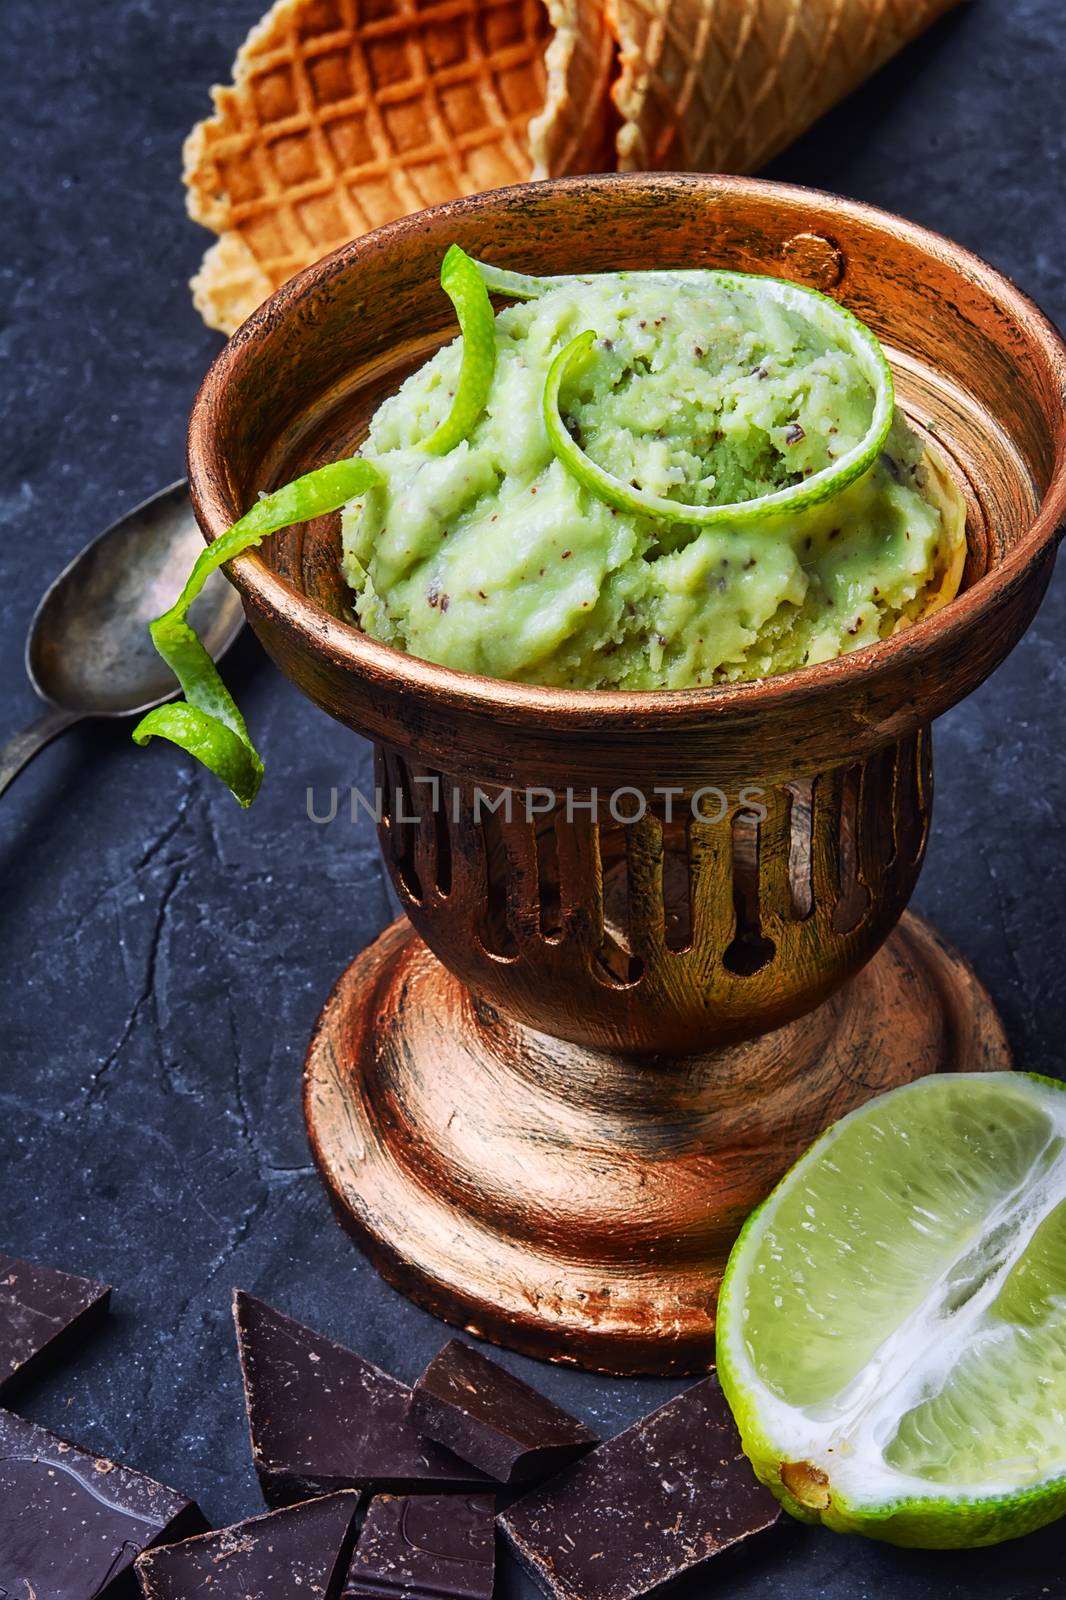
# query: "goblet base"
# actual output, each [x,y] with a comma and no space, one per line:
[580,1205]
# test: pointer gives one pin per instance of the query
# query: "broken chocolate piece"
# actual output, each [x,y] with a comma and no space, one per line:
[648,1507]
[41,1311]
[425,1547]
[322,1418]
[71,1524]
[299,1553]
[487,1416]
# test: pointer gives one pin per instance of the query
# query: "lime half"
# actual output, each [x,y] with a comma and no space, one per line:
[892,1322]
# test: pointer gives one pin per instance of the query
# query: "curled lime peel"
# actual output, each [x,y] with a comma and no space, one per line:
[514,285]
[207,723]
[812,491]
[465,287]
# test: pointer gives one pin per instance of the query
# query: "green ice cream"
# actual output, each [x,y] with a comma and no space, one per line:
[495,557]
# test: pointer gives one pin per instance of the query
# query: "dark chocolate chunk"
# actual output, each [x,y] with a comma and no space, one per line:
[299,1553]
[322,1418]
[71,1524]
[425,1547]
[487,1416]
[651,1505]
[41,1311]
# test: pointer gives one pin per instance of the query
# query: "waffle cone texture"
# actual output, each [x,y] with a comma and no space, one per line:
[345,114]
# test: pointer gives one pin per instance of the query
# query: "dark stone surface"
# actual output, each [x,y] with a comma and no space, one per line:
[164,954]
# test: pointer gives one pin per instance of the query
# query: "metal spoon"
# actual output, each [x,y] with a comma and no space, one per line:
[88,653]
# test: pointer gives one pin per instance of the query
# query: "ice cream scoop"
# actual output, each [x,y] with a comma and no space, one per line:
[674,479]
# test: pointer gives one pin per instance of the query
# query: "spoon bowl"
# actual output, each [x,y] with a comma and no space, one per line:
[89,653]
[89,649]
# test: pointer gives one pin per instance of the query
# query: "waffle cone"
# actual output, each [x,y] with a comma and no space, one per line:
[573,131]
[344,114]
[723,85]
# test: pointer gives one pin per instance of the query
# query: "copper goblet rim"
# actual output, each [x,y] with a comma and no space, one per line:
[925,654]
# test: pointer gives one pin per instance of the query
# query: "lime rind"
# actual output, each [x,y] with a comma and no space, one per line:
[465,287]
[861,1491]
[207,723]
[823,485]
[515,285]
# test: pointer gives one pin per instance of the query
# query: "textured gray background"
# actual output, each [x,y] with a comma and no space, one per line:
[164,955]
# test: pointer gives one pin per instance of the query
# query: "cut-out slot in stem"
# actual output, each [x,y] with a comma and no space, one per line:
[677,885]
[443,836]
[403,826]
[853,902]
[615,962]
[800,854]
[495,931]
[750,951]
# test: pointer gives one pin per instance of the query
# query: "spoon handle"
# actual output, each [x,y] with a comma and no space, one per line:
[22,747]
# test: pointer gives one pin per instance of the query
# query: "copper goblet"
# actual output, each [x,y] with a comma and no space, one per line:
[546,1099]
